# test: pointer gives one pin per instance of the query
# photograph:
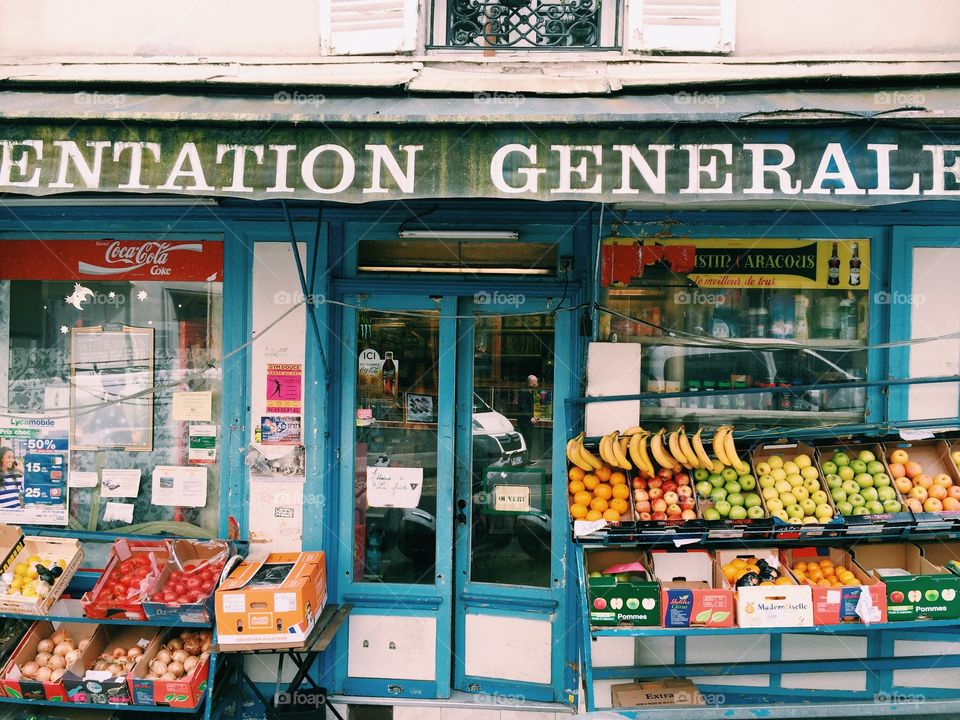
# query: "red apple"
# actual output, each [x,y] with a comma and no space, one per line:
[642,506]
[912,469]
[682,478]
[669,486]
[685,491]
[655,483]
[638,483]
[659,505]
[640,495]
[673,510]
[655,493]
[954,491]
[645,516]
[665,473]
[918,493]
[943,480]
[671,497]
[659,516]
[687,503]
[914,504]
[688,515]
[932,505]
[897,470]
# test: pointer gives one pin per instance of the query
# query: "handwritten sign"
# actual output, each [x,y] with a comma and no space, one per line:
[394,487]
[511,498]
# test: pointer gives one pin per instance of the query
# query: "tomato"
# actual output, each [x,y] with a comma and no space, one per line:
[193,583]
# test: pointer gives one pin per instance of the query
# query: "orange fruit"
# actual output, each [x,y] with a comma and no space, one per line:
[598,503]
[851,582]
[782,580]
[578,511]
[766,582]
[730,573]
[603,491]
[582,498]
[611,515]
[801,566]
[825,583]
[621,491]
[603,474]
[593,515]
[620,505]
[618,478]
[576,486]
[739,563]
[576,473]
[590,482]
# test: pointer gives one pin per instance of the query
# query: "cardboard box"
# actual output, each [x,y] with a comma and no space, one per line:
[13,682]
[48,548]
[97,688]
[185,553]
[688,596]
[662,692]
[835,605]
[95,605]
[11,543]
[632,601]
[184,693]
[917,589]
[934,458]
[767,605]
[274,602]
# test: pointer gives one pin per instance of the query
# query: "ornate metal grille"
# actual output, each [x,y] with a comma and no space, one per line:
[523,23]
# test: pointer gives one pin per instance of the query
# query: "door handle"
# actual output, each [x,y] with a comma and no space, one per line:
[461,515]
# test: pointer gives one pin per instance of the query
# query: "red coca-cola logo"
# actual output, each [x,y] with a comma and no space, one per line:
[148,253]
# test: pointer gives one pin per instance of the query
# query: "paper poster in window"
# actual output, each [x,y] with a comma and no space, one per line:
[112,404]
[33,469]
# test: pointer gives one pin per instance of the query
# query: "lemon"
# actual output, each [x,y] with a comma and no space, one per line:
[32,572]
[17,583]
[20,569]
[33,559]
[30,592]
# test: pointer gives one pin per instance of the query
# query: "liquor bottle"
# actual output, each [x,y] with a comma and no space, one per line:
[855,266]
[389,374]
[833,272]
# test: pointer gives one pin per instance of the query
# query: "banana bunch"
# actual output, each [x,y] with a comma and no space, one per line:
[639,448]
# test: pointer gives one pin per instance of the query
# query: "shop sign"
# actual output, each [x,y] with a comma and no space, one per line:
[105,260]
[856,165]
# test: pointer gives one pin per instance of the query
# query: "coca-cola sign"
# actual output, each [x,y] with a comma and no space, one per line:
[111,260]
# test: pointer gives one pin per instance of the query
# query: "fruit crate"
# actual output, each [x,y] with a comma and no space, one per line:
[68,550]
[760,461]
[99,603]
[932,458]
[890,523]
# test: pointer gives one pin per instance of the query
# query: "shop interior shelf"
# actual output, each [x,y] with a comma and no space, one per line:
[66,613]
[726,414]
[707,340]
[844,629]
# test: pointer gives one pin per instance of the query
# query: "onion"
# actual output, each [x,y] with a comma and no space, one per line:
[43,674]
[59,636]
[100,665]
[180,656]
[206,646]
[45,646]
[116,670]
[175,644]
[190,663]
[71,657]
[152,676]
[164,656]
[168,676]
[43,658]
[29,669]
[119,653]
[192,646]
[63,648]
[176,668]
[184,634]
[57,662]
[158,666]
[134,652]
[83,645]
[56,675]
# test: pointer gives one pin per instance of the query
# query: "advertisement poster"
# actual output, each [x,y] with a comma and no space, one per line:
[33,469]
[280,430]
[421,408]
[284,387]
[812,264]
[203,445]
[179,486]
[377,376]
[112,373]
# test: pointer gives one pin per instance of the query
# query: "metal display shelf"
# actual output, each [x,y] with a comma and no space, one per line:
[846,628]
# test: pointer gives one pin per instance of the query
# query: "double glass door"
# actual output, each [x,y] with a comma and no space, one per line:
[448,447]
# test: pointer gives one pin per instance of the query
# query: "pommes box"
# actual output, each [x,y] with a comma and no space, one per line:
[626,600]
[274,602]
[767,605]
[833,605]
[17,686]
[917,588]
[688,594]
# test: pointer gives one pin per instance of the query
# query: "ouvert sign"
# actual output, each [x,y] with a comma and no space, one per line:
[860,165]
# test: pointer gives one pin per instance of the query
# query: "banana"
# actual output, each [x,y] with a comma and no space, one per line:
[687,449]
[732,456]
[673,443]
[632,431]
[614,445]
[644,455]
[700,451]
[660,454]
[574,457]
[588,457]
[718,446]
[637,456]
[605,452]
[624,444]
[718,466]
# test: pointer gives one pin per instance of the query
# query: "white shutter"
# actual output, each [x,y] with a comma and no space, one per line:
[694,26]
[369,27]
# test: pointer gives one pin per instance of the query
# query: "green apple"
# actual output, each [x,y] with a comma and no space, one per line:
[809,506]
[747,482]
[857,500]
[738,512]
[823,512]
[892,506]
[860,511]
[766,481]
[788,499]
[864,480]
[782,514]
[858,466]
[716,479]
[723,507]
[846,473]
[811,485]
[795,479]
[819,497]
[851,487]
[783,486]
[870,494]
[886,493]
[874,506]
[704,488]
[794,511]
[834,481]
[829,468]
[769,493]
[751,500]
[755,512]
[732,487]
[875,468]
[839,495]
[882,480]
[763,468]
[735,499]
[866,456]
[810,520]
[596,573]
[775,461]
[718,494]
[774,505]
[841,459]
[800,493]
[701,474]
[711,514]
[844,507]
[729,474]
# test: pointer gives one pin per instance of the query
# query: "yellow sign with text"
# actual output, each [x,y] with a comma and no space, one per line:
[821,264]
